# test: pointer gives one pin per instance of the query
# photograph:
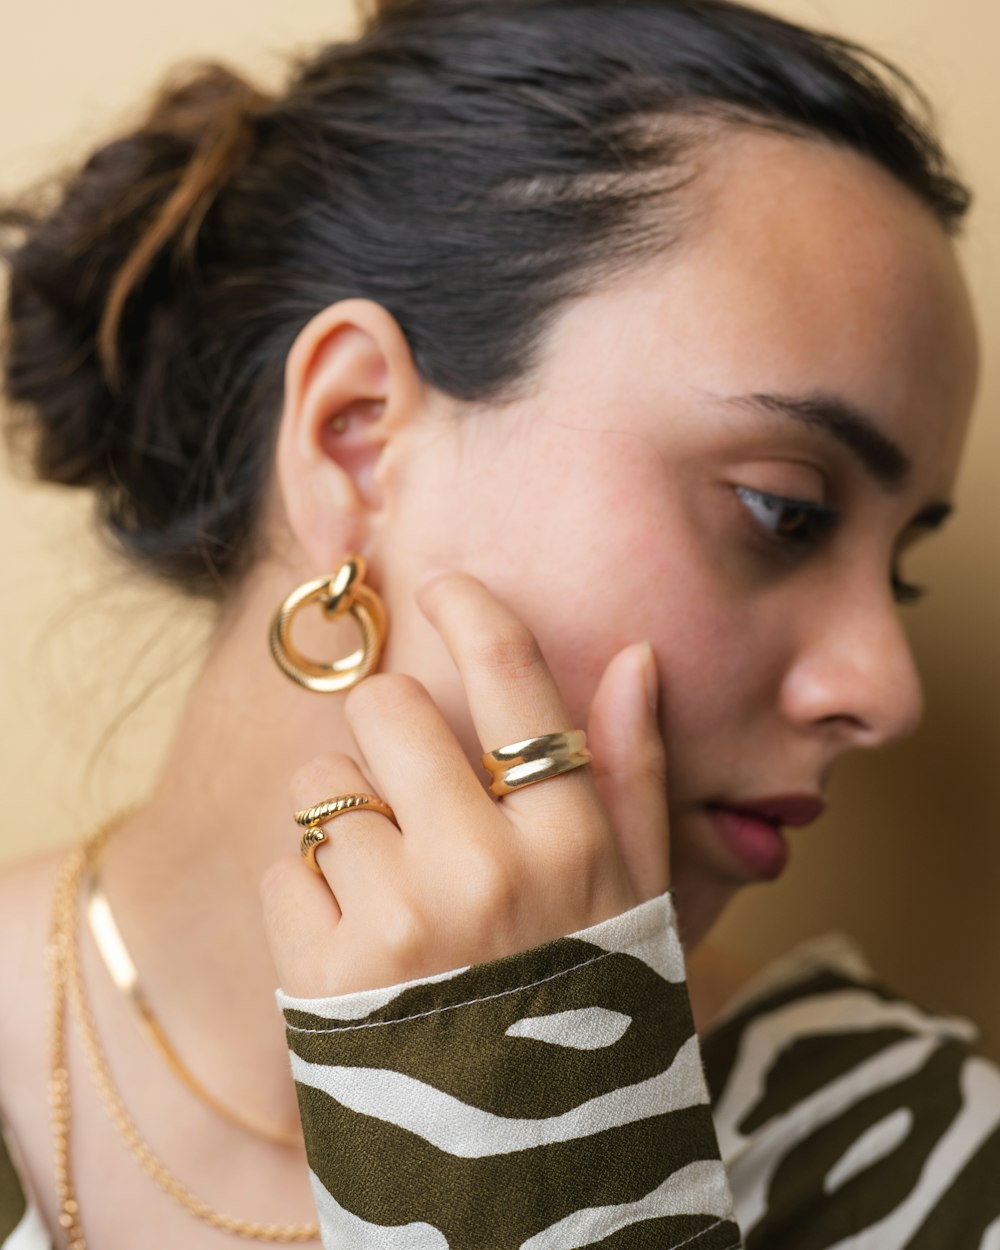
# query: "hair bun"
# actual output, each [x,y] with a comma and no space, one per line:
[105,275]
[97,241]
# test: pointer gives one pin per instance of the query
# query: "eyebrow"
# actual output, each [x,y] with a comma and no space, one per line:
[883,459]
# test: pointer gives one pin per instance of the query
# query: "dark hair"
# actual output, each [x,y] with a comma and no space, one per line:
[469,166]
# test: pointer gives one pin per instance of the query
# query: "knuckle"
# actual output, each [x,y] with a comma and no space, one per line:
[311,780]
[405,931]
[383,693]
[577,853]
[514,652]
[589,841]
[489,881]
[646,762]
[652,762]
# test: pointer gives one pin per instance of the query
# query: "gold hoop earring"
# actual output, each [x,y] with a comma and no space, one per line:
[344,592]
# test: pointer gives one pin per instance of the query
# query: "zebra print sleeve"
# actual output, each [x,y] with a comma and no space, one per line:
[21,1226]
[554,1098]
[848,1117]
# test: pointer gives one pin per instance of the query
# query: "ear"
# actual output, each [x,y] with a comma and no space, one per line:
[350,384]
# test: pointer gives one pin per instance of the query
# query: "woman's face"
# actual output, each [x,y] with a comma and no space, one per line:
[727,453]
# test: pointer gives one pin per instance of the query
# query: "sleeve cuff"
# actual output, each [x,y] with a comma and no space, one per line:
[552,1098]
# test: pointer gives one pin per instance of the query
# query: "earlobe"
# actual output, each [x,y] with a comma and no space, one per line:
[350,384]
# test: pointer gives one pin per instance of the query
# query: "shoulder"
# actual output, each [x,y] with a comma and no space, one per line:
[843,1107]
[26,890]
[26,893]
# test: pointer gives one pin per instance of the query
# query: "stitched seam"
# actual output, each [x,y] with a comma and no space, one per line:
[689,1240]
[420,1015]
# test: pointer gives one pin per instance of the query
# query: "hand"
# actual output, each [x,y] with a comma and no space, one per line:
[467,878]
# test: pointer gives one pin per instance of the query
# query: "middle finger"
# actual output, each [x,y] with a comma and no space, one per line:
[511,692]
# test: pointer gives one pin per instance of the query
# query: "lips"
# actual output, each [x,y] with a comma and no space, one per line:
[791,810]
[751,829]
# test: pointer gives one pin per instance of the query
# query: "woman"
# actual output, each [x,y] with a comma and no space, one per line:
[613,356]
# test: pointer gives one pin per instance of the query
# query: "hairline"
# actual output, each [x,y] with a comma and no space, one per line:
[701,128]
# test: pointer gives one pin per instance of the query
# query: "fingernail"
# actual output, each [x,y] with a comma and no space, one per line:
[428,575]
[651,676]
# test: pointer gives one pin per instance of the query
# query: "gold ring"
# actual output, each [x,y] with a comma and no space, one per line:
[535,759]
[315,817]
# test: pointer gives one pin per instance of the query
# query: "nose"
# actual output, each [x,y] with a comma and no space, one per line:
[853,677]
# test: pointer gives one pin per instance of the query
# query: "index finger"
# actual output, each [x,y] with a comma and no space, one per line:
[511,692]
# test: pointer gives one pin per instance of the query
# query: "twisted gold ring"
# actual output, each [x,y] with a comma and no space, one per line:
[315,817]
[535,759]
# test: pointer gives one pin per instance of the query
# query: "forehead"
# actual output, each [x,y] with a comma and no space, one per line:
[808,269]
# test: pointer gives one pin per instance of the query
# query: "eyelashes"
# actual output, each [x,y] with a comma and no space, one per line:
[796,522]
[799,526]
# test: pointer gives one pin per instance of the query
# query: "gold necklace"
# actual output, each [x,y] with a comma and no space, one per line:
[68,990]
[122,971]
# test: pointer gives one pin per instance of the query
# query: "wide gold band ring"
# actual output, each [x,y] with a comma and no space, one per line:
[315,817]
[535,759]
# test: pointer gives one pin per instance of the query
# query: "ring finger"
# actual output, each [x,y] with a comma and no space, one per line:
[360,846]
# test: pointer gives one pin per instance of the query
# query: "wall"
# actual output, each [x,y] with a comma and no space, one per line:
[908,860]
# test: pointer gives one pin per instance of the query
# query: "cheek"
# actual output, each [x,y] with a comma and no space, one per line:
[594,546]
[626,562]
[721,647]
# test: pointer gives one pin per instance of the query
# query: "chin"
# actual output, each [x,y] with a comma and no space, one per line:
[700,901]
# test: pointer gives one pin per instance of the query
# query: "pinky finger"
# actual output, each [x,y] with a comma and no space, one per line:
[300,919]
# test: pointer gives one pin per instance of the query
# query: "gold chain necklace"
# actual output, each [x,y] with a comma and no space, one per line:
[68,990]
[122,971]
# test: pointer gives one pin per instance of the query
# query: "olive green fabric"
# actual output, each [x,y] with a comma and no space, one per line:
[969,1207]
[841,1114]
[848,1116]
[462,1051]
[727,1035]
[12,1201]
[495,1108]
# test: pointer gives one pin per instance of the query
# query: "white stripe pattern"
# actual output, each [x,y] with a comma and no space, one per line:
[584,1028]
[341,1229]
[755,1160]
[754,1157]
[468,1132]
[698,1189]
[978,1118]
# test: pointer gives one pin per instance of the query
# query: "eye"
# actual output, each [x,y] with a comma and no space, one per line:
[795,522]
[802,523]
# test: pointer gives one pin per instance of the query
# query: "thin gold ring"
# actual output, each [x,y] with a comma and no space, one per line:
[535,759]
[315,817]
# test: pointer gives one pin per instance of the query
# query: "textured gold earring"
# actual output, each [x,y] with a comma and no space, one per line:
[344,592]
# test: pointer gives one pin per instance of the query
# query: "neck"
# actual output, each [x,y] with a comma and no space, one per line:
[181,875]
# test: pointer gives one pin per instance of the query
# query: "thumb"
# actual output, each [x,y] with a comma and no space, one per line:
[629,766]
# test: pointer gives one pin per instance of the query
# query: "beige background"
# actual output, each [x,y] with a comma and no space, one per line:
[908,861]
